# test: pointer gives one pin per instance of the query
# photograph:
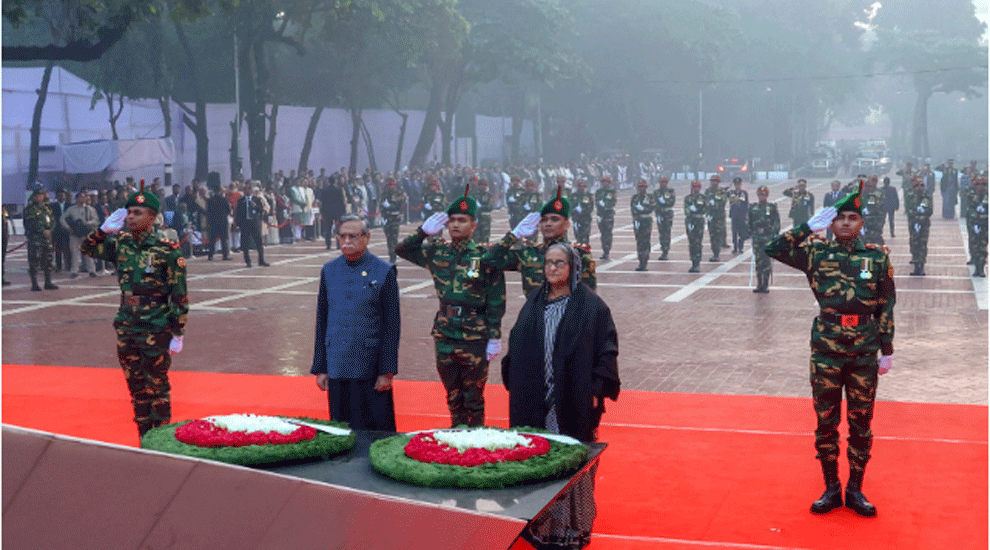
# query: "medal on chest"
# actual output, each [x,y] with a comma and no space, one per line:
[149,268]
[864,272]
[472,271]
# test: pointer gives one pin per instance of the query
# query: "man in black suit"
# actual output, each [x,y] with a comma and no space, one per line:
[829,199]
[333,204]
[217,210]
[248,217]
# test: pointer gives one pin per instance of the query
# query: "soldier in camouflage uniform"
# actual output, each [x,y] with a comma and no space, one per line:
[154,305]
[854,286]
[764,225]
[532,200]
[393,205]
[434,202]
[664,200]
[584,207]
[976,223]
[919,208]
[738,214]
[38,226]
[605,199]
[641,205]
[874,213]
[513,201]
[527,259]
[467,328]
[715,199]
[802,202]
[694,224]
[486,202]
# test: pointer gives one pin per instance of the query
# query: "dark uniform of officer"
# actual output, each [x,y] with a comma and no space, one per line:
[154,305]
[919,209]
[764,226]
[664,201]
[738,214]
[976,224]
[532,199]
[605,199]
[874,212]
[486,203]
[584,207]
[854,286]
[392,206]
[641,205]
[527,259]
[513,201]
[434,201]
[715,199]
[472,302]
[802,202]
[38,225]
[694,224]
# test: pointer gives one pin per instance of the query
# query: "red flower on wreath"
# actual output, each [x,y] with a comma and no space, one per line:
[203,433]
[424,448]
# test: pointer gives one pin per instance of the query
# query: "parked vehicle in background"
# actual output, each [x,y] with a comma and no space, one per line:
[822,162]
[735,167]
[873,157]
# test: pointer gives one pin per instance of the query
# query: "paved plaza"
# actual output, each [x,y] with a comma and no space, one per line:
[678,332]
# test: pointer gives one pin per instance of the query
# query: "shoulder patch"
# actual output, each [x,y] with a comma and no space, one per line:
[582,246]
[181,262]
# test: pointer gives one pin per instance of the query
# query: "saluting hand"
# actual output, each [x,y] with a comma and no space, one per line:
[435,223]
[822,219]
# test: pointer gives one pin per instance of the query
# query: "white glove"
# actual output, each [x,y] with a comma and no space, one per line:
[921,209]
[175,346]
[527,226]
[693,208]
[114,221]
[494,348]
[822,219]
[435,223]
[976,229]
[385,203]
[886,363]
[917,227]
[639,207]
[577,209]
[428,206]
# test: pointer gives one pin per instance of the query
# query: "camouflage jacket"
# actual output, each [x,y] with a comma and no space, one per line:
[977,207]
[695,206]
[486,202]
[37,218]
[513,199]
[582,206]
[460,279]
[531,202]
[873,205]
[528,260]
[605,200]
[764,220]
[715,198]
[665,200]
[641,206]
[392,204]
[918,205]
[434,202]
[847,278]
[802,205]
[150,271]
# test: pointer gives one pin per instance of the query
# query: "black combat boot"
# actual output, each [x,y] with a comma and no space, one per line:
[855,499]
[921,269]
[832,497]
[978,270]
[663,256]
[642,266]
[762,284]
[34,282]
[49,285]
[714,257]
[694,267]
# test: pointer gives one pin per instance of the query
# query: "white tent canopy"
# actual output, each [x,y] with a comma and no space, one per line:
[116,155]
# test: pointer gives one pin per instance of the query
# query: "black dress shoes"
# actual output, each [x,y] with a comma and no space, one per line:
[830,499]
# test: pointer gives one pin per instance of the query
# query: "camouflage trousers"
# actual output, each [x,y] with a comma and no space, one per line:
[483,233]
[858,374]
[642,227]
[582,230]
[463,369]
[665,222]
[695,228]
[605,228]
[873,230]
[391,237]
[918,239]
[145,360]
[977,240]
[39,252]
[763,263]
[716,233]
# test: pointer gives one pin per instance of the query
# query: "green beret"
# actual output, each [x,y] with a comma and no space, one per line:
[143,198]
[464,205]
[559,205]
[851,202]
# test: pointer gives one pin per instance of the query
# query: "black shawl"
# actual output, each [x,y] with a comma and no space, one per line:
[584,364]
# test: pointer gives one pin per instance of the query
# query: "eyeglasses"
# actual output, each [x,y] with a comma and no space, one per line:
[350,236]
[556,264]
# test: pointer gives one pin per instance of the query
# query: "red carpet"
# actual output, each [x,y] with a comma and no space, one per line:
[682,470]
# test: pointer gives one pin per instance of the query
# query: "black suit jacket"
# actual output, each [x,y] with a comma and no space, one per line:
[246,214]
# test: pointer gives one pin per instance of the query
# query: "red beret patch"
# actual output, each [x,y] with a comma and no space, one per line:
[464,206]
[139,199]
[557,205]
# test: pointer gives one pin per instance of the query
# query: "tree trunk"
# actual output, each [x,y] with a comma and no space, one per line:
[402,138]
[518,117]
[165,103]
[199,127]
[251,104]
[446,124]
[269,159]
[39,105]
[428,132]
[314,121]
[114,117]
[369,146]
[355,136]
[919,141]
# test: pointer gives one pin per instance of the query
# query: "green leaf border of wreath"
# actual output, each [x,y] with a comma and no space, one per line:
[388,456]
[324,445]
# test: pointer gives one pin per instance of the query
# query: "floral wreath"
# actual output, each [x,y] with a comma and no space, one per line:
[391,457]
[248,452]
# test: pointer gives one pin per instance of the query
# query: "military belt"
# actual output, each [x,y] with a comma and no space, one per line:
[459,311]
[845,320]
[130,300]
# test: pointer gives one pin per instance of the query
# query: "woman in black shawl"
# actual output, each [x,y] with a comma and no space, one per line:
[560,367]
